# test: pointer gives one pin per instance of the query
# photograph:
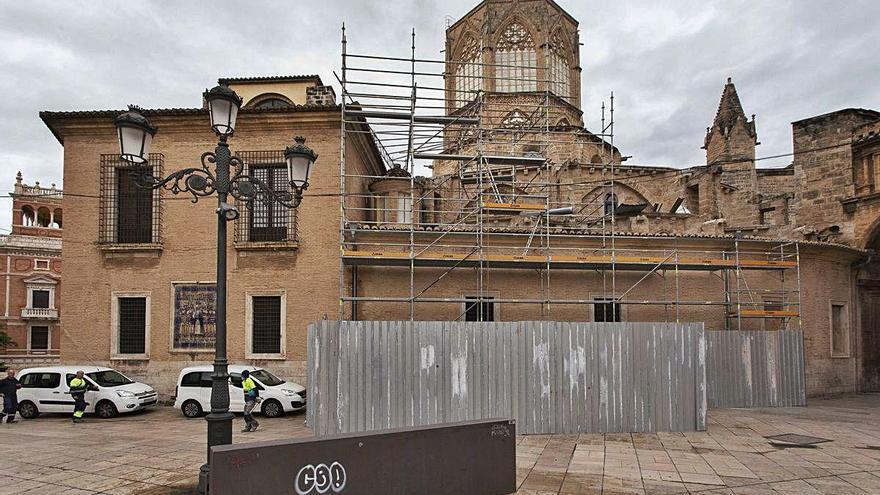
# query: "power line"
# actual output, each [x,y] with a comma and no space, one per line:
[652,174]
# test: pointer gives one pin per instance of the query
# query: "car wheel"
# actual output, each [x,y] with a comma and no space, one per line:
[191,409]
[106,410]
[272,409]
[28,410]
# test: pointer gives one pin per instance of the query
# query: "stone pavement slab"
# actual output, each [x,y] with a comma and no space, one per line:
[159,452]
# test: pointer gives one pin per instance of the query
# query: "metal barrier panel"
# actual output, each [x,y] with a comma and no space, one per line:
[552,377]
[467,457]
[755,368]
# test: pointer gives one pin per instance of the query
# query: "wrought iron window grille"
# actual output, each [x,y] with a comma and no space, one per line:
[265,221]
[132,325]
[129,214]
[266,325]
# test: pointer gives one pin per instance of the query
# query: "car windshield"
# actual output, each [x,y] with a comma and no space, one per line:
[266,378]
[109,378]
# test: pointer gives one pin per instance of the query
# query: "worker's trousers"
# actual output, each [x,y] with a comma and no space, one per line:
[248,409]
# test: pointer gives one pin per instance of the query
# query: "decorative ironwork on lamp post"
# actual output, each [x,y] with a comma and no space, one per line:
[222,173]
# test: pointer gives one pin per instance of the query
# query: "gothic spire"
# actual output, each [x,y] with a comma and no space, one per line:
[730,111]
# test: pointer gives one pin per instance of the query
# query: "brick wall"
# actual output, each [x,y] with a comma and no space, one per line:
[824,270]
[310,271]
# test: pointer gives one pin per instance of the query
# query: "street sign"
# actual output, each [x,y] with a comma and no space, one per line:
[473,457]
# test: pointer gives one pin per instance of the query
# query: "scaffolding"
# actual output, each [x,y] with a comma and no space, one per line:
[501,198]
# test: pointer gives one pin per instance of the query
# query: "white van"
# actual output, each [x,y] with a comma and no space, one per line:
[47,390]
[193,392]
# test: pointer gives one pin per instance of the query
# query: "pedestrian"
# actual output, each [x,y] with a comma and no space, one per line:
[251,396]
[78,389]
[9,389]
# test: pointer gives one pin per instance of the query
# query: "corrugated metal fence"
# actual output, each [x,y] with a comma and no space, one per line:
[552,377]
[755,369]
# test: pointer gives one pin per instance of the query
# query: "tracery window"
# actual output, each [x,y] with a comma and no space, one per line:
[467,73]
[558,67]
[515,61]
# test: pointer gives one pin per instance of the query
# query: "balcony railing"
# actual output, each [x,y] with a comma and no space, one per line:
[42,313]
[36,190]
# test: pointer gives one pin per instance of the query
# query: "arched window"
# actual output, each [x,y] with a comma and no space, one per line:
[515,61]
[43,217]
[56,218]
[467,73]
[610,203]
[596,159]
[272,103]
[558,67]
[27,216]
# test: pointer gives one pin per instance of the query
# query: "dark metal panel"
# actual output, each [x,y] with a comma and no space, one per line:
[469,457]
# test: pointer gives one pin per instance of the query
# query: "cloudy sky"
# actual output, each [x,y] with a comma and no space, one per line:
[665,61]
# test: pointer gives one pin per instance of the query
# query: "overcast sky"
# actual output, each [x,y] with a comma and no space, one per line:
[665,61]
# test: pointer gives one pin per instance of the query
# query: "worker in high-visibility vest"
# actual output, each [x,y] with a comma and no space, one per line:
[78,389]
[251,395]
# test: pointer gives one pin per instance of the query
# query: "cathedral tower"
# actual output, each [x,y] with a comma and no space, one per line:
[514,46]
[515,64]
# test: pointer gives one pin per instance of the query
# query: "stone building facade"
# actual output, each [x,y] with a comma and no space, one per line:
[142,263]
[31,289]
[139,276]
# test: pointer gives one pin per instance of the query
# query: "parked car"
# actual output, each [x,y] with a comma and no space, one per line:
[47,390]
[192,395]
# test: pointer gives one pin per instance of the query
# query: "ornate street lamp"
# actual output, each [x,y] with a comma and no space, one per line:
[135,135]
[223,105]
[222,173]
[299,158]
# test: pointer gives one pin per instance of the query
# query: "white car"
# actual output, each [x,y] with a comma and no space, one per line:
[47,390]
[193,392]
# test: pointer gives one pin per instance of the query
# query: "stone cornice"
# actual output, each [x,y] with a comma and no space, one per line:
[171,119]
[12,241]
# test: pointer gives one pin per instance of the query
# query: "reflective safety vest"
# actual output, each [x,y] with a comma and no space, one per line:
[78,386]
[250,388]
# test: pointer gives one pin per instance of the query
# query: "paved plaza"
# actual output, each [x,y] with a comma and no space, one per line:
[159,452]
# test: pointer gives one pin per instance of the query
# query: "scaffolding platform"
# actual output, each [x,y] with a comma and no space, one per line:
[761,313]
[600,262]
[511,208]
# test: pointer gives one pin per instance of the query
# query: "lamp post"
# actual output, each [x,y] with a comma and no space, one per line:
[226,177]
